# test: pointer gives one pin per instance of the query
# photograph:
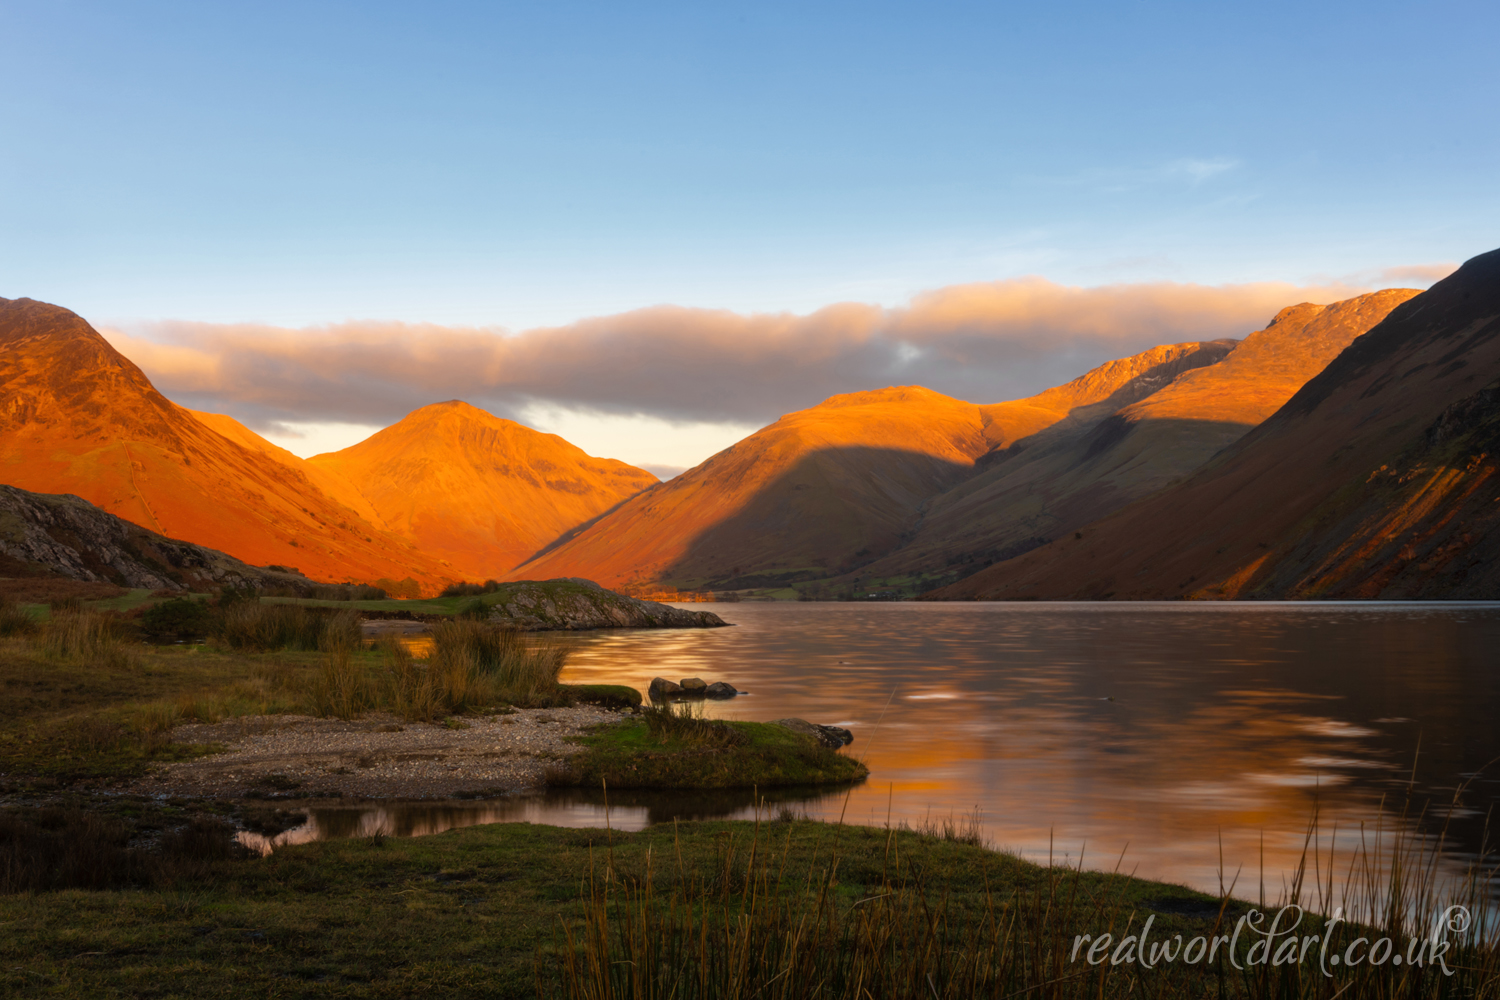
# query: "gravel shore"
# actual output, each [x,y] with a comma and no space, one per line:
[374,757]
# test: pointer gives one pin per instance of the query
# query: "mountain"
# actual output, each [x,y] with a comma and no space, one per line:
[1376,479]
[1181,405]
[44,534]
[907,483]
[478,491]
[825,490]
[77,417]
[805,494]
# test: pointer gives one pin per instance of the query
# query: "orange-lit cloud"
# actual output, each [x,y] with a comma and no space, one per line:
[984,342]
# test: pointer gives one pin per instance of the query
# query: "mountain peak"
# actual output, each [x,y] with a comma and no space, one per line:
[478,490]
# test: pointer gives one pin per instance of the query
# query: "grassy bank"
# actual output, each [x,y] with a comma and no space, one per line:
[784,908]
[83,701]
[662,748]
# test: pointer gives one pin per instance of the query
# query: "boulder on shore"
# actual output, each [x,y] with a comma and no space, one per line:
[661,689]
[829,736]
[693,687]
[720,689]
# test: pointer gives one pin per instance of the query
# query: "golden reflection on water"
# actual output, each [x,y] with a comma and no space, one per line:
[1156,731]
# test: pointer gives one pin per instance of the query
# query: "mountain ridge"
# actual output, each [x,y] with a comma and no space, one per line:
[1372,480]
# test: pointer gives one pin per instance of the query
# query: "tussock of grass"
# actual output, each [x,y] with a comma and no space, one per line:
[343,688]
[254,626]
[475,664]
[669,723]
[14,620]
[85,637]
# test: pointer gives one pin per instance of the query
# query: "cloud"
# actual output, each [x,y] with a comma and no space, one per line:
[983,342]
[1413,274]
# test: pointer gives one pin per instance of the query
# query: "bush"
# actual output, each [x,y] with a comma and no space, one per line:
[180,616]
[470,589]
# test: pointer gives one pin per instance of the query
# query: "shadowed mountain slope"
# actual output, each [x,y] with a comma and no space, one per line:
[827,489]
[804,494]
[481,492]
[1377,478]
[1154,429]
[77,417]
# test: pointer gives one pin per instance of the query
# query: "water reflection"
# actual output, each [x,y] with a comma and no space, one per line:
[1152,730]
[624,810]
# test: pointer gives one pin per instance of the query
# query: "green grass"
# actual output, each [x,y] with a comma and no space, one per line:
[468,913]
[695,911]
[651,752]
[132,600]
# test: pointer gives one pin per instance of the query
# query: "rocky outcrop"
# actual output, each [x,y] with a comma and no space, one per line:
[66,535]
[575,605]
[829,736]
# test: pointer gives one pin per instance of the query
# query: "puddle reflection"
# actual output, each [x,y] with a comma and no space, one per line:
[630,809]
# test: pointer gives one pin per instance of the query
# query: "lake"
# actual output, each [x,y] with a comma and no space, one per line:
[1160,734]
[1148,730]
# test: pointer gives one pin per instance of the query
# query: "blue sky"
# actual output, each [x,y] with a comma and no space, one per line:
[520,165]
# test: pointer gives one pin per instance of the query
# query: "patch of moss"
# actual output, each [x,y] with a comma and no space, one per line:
[604,695]
[627,754]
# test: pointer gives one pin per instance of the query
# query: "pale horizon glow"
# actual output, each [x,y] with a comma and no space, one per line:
[661,447]
[306,439]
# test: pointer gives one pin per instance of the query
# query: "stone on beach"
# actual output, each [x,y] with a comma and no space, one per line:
[693,687]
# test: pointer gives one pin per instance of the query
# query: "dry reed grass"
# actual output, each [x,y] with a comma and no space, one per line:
[684,722]
[743,930]
[252,625]
[14,620]
[85,637]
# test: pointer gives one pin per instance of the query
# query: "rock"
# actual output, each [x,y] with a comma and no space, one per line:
[574,604]
[66,535]
[661,689]
[719,689]
[829,736]
[694,687]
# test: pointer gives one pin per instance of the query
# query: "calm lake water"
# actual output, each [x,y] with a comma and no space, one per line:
[1163,733]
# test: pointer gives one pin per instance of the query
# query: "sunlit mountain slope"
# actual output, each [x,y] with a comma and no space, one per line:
[478,491]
